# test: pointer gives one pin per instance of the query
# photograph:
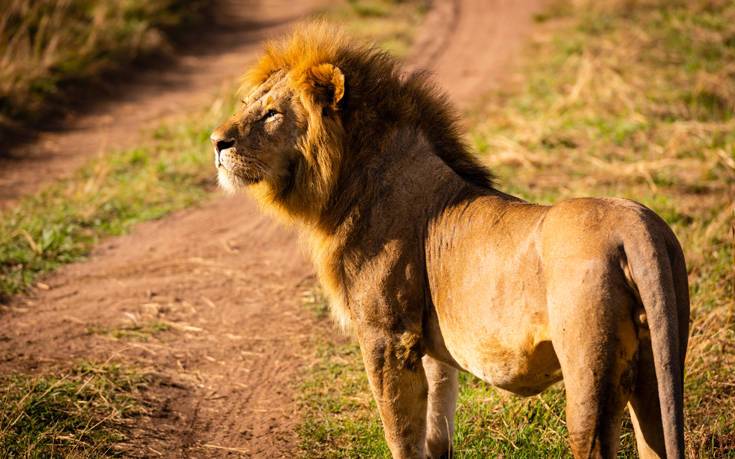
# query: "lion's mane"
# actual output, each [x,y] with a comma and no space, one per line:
[332,185]
[377,99]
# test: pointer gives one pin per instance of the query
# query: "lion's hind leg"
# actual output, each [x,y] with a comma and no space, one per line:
[597,346]
[645,410]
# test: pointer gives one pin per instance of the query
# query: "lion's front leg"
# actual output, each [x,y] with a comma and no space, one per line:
[398,382]
[442,406]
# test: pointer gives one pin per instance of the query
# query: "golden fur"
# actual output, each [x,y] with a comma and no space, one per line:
[438,271]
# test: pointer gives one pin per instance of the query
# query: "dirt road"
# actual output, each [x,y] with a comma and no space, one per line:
[225,281]
[469,45]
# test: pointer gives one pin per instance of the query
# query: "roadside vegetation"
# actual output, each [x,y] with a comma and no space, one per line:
[627,99]
[47,46]
[81,412]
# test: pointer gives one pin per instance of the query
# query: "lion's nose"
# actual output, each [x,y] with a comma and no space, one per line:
[221,143]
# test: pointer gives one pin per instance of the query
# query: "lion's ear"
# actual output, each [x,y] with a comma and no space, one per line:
[327,84]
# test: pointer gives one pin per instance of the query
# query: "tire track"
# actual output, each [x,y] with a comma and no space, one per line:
[470,45]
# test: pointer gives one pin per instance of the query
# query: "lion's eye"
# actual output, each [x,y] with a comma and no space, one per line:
[269,114]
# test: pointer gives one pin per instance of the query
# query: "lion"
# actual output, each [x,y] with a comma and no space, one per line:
[437,271]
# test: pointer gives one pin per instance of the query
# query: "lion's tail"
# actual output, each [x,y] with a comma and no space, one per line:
[658,272]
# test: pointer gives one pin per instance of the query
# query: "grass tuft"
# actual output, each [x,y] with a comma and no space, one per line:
[135,331]
[79,413]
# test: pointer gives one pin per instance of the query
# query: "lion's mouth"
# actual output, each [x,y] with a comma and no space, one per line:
[235,169]
[219,155]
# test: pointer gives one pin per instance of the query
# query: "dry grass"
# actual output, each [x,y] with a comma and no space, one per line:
[82,412]
[47,44]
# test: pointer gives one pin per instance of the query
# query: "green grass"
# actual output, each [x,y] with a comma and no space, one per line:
[491,423]
[47,44]
[63,222]
[78,413]
[624,99]
[340,418]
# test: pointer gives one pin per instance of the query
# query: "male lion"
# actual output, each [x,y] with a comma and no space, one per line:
[438,271]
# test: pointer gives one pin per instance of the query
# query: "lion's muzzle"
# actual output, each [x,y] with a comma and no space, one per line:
[220,143]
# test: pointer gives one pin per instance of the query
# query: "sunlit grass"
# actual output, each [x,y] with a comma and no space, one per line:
[339,415]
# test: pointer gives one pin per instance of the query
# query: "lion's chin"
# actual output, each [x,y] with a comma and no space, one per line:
[231,182]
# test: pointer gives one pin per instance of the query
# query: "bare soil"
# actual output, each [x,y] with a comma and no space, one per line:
[225,280]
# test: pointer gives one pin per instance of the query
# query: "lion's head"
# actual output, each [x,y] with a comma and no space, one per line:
[319,106]
[259,143]
[284,141]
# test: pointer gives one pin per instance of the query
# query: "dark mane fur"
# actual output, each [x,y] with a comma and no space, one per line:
[377,98]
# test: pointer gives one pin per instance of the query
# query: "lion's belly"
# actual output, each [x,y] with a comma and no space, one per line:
[498,330]
[523,363]
[496,327]
[489,293]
